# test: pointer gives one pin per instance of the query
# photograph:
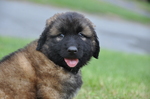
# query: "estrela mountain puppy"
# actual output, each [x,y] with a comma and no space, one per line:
[49,68]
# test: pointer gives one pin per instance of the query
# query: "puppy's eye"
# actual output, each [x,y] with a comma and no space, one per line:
[81,35]
[61,35]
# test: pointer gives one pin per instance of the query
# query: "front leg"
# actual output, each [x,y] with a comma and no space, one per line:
[49,90]
[47,93]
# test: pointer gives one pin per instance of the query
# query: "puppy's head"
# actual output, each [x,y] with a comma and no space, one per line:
[69,40]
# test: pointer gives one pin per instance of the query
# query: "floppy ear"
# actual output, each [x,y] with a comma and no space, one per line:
[42,40]
[97,48]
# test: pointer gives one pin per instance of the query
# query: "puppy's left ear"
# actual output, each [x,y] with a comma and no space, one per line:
[97,48]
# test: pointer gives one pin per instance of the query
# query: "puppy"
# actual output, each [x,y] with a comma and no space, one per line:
[49,68]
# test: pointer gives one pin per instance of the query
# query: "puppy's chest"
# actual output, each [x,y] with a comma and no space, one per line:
[71,85]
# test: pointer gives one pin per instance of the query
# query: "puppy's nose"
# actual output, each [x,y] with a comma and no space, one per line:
[72,49]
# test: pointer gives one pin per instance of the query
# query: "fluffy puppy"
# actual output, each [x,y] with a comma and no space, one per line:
[49,68]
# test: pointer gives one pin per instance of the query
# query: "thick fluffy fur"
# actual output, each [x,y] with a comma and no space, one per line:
[39,70]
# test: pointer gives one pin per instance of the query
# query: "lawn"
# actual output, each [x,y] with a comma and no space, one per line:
[114,75]
[9,44]
[97,7]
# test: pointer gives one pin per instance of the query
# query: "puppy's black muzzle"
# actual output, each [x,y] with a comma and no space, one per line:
[72,50]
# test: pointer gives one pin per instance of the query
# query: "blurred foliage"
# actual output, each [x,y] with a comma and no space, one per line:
[143,4]
[96,7]
[148,1]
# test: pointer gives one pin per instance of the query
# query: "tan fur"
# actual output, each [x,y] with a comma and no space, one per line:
[29,73]
[51,19]
[87,31]
[54,31]
[25,65]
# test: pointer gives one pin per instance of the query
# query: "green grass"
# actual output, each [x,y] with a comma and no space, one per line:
[9,44]
[114,75]
[96,7]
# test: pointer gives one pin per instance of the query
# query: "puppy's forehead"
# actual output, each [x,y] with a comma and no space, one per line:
[70,22]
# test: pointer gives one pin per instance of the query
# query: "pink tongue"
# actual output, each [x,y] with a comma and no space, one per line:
[71,62]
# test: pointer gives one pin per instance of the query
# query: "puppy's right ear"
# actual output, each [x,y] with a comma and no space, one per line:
[42,39]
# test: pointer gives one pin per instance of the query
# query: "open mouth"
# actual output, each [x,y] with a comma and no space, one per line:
[71,62]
